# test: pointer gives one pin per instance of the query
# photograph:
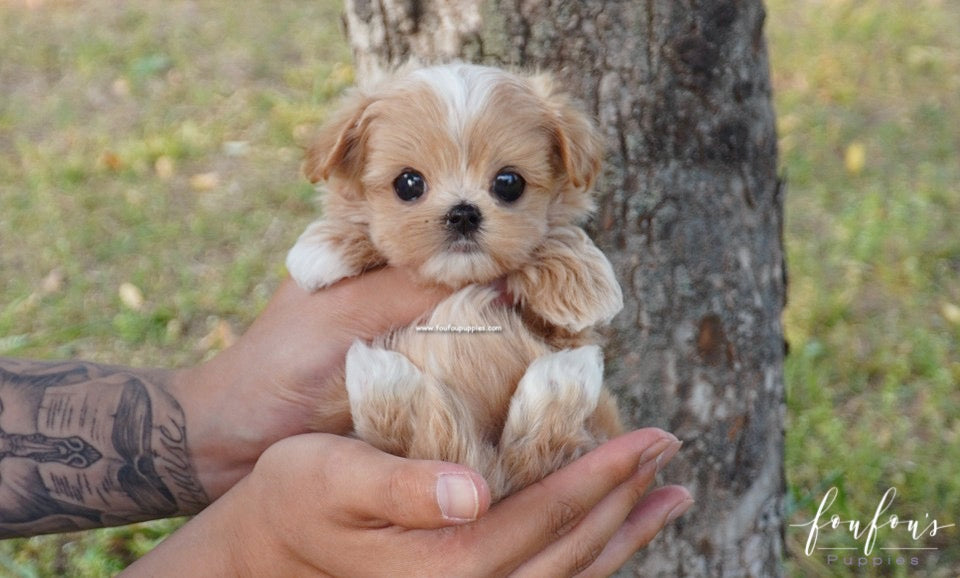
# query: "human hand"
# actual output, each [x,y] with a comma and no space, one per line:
[267,385]
[319,504]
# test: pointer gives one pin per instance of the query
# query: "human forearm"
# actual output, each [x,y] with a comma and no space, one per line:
[201,429]
[212,544]
[84,445]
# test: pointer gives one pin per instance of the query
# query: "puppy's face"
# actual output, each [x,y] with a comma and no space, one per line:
[461,169]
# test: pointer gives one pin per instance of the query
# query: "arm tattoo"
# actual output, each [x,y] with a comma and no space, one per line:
[86,446]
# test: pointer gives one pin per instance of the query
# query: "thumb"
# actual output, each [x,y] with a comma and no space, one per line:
[369,487]
[427,494]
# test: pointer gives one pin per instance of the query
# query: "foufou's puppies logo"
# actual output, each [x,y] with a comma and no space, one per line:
[886,533]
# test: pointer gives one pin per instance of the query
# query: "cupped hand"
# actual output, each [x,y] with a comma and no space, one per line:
[317,504]
[266,386]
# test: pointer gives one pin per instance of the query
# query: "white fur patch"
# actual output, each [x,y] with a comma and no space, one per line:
[315,265]
[458,269]
[572,378]
[374,374]
[464,89]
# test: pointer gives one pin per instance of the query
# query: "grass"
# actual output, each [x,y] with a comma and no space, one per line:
[156,145]
[868,102]
[153,144]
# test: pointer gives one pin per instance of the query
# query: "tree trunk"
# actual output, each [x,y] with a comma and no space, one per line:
[691,215]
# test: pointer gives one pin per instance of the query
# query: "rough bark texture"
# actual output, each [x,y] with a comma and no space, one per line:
[690,215]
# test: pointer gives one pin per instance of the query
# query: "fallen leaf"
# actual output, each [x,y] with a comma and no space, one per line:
[951,313]
[120,88]
[53,282]
[164,168]
[205,181]
[174,329]
[109,160]
[855,158]
[219,338]
[131,296]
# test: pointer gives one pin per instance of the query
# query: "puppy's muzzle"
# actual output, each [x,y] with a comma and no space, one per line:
[464,219]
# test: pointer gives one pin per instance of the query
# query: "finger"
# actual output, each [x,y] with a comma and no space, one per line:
[530,520]
[375,489]
[578,550]
[359,307]
[658,509]
[378,301]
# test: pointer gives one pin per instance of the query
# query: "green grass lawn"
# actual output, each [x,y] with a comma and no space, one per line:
[155,146]
[868,103]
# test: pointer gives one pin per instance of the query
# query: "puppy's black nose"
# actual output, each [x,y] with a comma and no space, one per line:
[464,219]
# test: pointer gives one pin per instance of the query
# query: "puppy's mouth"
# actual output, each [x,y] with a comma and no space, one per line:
[461,260]
[462,244]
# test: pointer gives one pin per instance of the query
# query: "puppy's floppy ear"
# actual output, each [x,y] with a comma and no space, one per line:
[569,283]
[579,146]
[337,150]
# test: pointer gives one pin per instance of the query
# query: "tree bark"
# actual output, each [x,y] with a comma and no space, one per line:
[690,214]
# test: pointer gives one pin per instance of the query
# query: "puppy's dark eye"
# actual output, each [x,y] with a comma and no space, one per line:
[508,186]
[409,185]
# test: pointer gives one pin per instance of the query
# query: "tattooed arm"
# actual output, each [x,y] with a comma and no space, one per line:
[84,445]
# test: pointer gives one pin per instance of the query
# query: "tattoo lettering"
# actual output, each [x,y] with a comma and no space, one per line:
[84,445]
[175,463]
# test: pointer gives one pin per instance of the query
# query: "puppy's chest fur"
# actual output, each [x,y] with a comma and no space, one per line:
[500,399]
[475,348]
[483,367]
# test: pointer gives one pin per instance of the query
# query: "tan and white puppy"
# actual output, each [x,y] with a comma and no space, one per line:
[469,175]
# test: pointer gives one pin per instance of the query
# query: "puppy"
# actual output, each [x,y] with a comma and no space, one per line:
[473,178]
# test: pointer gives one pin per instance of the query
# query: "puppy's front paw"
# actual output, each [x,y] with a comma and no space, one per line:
[317,265]
[316,261]
[377,376]
[385,391]
[400,410]
[547,425]
[557,389]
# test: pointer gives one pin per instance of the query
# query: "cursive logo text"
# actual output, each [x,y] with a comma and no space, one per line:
[867,532]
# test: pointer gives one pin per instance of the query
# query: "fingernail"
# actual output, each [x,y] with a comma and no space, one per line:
[457,497]
[654,453]
[664,458]
[679,510]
